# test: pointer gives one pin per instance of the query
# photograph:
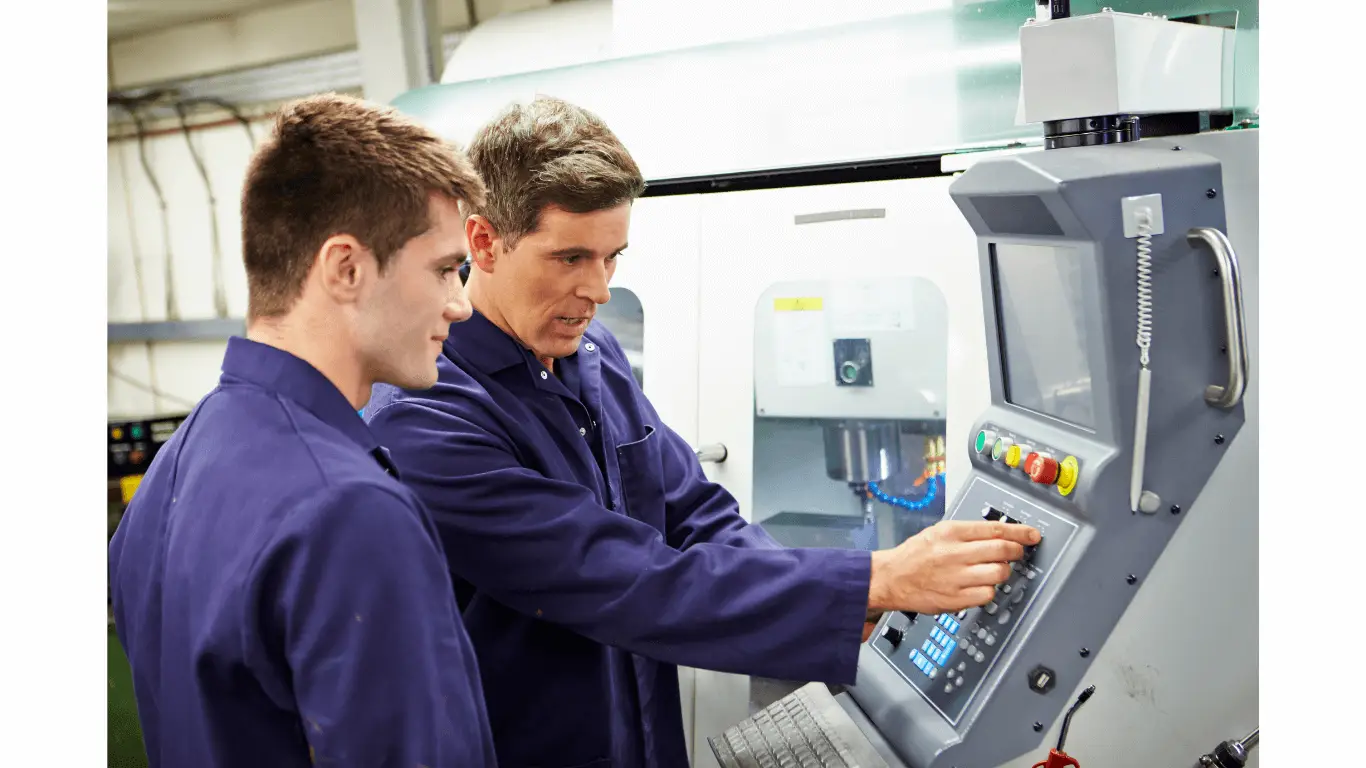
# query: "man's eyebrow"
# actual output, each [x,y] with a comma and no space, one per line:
[579,250]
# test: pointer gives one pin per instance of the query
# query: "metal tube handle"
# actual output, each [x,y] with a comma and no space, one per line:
[1235,323]
[714,453]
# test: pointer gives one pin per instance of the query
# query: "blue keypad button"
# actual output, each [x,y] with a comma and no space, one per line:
[920,662]
[927,646]
[948,651]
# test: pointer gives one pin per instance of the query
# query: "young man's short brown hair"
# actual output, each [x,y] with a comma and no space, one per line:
[338,165]
[550,152]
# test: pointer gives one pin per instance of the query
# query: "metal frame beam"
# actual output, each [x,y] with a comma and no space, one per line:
[400,46]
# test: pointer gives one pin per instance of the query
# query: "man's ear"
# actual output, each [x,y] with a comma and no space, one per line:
[343,265]
[483,240]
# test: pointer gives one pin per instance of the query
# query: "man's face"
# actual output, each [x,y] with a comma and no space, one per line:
[407,314]
[549,286]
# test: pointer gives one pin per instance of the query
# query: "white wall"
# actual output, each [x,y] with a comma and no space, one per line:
[139,241]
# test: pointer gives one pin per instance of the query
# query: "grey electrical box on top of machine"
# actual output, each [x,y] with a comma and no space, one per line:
[1118,362]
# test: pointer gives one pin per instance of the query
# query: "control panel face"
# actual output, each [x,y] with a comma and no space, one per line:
[133,444]
[948,657]
[1018,456]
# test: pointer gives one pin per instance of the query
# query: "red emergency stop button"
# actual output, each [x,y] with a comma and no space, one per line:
[1044,470]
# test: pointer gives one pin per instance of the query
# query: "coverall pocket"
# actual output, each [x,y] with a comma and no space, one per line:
[642,478]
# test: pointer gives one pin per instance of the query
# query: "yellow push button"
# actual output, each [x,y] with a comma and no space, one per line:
[128,486]
[1013,456]
[1067,475]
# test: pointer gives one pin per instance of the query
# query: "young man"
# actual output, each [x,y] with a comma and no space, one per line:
[283,599]
[590,552]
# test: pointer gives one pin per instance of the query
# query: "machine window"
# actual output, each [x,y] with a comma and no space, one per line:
[625,318]
[1044,329]
[850,405]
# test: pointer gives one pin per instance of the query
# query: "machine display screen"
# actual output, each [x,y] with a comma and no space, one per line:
[1043,327]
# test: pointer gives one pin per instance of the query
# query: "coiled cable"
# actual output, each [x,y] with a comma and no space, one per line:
[1145,287]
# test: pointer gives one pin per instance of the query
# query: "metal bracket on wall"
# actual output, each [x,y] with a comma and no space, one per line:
[217,329]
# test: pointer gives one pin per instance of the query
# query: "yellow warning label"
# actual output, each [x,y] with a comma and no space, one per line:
[802,304]
[128,485]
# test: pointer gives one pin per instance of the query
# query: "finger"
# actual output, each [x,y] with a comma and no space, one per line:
[983,575]
[974,530]
[989,551]
[976,597]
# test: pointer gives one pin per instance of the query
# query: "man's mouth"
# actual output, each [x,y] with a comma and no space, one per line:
[574,322]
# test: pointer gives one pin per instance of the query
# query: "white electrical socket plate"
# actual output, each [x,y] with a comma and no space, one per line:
[1132,205]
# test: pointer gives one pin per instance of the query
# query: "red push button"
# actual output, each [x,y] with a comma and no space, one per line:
[1044,470]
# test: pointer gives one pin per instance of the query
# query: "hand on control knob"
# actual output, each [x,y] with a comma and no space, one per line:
[949,566]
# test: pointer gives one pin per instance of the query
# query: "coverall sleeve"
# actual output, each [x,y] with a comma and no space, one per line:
[696,509]
[382,670]
[545,547]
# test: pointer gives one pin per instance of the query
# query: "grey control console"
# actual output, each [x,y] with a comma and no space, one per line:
[948,657]
[1089,434]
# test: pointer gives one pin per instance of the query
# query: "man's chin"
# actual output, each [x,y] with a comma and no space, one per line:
[418,381]
[559,346]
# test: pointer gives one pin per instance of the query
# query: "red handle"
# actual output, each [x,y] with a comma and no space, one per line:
[1058,759]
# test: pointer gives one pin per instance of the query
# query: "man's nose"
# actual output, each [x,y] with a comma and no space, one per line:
[595,287]
[458,308]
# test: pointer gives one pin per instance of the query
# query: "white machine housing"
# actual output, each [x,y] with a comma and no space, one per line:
[810,330]
[1123,64]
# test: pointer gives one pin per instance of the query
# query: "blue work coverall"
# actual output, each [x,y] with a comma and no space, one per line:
[591,555]
[283,600]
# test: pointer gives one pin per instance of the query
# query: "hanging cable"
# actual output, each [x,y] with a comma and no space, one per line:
[220,297]
[228,107]
[154,391]
[128,106]
[131,107]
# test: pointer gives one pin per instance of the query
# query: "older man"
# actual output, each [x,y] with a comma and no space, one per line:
[589,551]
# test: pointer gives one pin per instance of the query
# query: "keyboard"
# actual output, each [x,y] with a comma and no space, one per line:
[805,729]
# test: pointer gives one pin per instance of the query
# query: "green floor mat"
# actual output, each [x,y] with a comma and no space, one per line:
[125,735]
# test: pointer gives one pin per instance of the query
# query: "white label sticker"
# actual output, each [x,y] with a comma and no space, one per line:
[802,355]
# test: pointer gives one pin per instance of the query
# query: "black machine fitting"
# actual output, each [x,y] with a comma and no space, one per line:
[1119,129]
[1090,131]
[1231,754]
